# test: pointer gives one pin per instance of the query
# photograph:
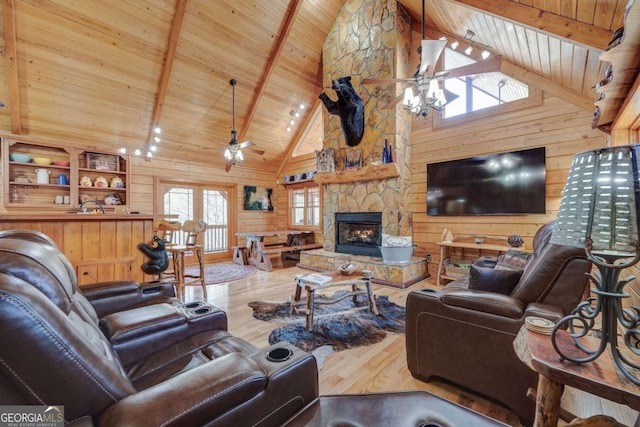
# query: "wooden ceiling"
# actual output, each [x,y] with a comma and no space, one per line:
[104,73]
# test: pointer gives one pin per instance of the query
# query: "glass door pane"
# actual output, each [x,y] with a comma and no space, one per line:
[216,215]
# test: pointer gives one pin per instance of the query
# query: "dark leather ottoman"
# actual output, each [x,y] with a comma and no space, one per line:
[403,409]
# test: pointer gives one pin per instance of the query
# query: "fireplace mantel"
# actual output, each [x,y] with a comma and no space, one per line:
[366,173]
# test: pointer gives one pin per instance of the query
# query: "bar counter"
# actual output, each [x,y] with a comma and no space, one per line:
[101,247]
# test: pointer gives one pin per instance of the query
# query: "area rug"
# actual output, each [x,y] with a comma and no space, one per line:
[340,331]
[222,273]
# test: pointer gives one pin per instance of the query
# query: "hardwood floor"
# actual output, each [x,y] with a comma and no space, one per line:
[380,367]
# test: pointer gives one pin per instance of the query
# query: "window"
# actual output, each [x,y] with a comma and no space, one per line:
[476,92]
[304,205]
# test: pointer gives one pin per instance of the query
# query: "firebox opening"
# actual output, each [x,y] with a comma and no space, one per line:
[359,233]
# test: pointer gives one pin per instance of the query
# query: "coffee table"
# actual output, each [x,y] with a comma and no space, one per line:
[337,279]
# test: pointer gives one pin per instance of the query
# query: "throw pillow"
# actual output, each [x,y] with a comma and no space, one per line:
[492,280]
[512,260]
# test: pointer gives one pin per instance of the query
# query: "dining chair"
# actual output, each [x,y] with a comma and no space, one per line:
[193,230]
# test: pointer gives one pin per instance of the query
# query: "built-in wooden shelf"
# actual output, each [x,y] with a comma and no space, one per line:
[625,63]
[367,173]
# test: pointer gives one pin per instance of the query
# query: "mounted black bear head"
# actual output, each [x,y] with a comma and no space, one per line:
[348,107]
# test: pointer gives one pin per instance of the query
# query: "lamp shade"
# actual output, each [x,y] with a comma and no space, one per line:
[599,207]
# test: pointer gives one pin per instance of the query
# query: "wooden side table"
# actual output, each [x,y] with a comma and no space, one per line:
[599,377]
[337,280]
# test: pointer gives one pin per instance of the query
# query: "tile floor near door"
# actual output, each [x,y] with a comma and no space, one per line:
[381,367]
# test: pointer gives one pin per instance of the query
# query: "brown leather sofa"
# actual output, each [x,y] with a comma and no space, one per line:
[465,336]
[160,363]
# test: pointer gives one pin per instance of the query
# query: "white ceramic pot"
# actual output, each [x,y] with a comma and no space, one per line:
[42,176]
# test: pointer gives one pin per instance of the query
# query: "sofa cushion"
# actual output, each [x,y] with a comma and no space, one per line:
[493,280]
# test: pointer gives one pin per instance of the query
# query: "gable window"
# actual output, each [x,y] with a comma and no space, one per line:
[304,207]
[467,94]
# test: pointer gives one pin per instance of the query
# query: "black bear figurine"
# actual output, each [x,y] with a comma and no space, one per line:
[348,107]
[157,252]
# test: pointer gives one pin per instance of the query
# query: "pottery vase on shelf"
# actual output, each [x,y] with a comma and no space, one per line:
[85,181]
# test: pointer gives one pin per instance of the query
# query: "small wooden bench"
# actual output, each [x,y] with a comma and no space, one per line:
[264,263]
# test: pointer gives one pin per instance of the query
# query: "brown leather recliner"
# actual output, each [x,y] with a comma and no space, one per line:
[162,362]
[159,363]
[465,336]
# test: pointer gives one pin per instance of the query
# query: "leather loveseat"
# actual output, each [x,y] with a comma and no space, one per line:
[158,363]
[465,336]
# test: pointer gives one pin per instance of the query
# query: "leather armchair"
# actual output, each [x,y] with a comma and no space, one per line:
[465,336]
[156,364]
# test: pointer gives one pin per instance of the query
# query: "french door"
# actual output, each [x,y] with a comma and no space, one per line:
[198,201]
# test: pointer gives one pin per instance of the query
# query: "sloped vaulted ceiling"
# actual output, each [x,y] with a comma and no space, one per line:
[104,72]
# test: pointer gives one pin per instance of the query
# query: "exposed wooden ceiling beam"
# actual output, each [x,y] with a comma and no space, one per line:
[176,27]
[589,36]
[9,20]
[529,77]
[294,8]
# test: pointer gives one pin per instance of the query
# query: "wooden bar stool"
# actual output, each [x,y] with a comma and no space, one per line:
[192,243]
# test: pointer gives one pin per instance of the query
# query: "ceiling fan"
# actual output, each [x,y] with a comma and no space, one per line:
[233,151]
[426,92]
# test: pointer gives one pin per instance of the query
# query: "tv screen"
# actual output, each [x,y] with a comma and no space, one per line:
[496,184]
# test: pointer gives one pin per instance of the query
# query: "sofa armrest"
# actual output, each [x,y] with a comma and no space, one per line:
[119,295]
[486,302]
[195,397]
[546,311]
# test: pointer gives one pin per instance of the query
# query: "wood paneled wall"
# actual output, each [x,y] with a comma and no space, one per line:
[299,164]
[144,174]
[555,124]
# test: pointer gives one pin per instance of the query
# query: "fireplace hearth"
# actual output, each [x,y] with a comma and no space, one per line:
[359,233]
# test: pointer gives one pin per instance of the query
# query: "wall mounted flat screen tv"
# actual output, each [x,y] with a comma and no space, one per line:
[497,184]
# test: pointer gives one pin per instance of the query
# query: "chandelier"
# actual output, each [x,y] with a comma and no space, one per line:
[426,92]
[233,153]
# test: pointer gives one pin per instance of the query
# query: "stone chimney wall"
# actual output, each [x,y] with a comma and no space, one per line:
[370,39]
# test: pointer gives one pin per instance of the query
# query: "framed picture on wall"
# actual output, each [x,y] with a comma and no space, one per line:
[352,159]
[257,198]
[102,162]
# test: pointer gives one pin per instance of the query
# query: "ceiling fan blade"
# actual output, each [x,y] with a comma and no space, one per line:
[487,66]
[246,144]
[255,151]
[227,166]
[431,50]
[393,102]
[384,81]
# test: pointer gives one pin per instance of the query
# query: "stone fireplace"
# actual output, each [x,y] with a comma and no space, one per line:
[369,39]
[359,233]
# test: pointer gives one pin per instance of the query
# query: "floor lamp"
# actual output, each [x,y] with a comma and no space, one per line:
[599,211]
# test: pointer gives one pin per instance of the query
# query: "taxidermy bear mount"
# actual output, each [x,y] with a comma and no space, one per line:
[348,107]
[157,252]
